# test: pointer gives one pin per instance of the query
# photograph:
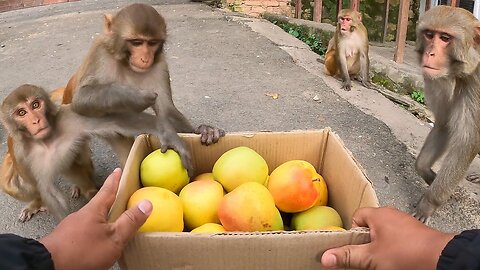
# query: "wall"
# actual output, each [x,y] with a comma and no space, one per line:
[6,5]
[256,7]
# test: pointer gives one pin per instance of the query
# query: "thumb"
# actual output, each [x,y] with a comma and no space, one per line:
[353,256]
[132,219]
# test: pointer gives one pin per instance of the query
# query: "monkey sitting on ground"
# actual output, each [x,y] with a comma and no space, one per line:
[129,56]
[45,141]
[347,51]
[448,47]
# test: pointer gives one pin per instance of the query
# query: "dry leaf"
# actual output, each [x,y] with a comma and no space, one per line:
[272,95]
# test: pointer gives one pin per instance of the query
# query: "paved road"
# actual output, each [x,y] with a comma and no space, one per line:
[222,66]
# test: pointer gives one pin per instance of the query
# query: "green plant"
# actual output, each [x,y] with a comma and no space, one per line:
[418,95]
[315,39]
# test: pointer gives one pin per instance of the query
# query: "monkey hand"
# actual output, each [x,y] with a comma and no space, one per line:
[146,100]
[173,141]
[425,208]
[209,134]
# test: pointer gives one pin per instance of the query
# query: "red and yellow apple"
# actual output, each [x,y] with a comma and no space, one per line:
[292,186]
[248,208]
[200,200]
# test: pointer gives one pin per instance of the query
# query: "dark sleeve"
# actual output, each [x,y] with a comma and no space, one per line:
[462,252]
[18,253]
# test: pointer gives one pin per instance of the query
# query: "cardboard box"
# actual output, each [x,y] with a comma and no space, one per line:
[348,186]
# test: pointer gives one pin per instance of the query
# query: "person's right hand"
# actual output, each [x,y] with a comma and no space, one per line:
[398,241]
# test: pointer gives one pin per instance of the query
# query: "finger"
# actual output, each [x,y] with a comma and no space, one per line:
[216,135]
[131,220]
[353,256]
[105,197]
[361,217]
[210,136]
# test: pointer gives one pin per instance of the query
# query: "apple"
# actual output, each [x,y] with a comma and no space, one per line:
[240,165]
[316,218]
[209,228]
[249,208]
[200,200]
[163,170]
[292,186]
[203,176]
[167,212]
[321,187]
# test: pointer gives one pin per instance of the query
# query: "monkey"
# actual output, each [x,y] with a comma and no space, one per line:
[347,51]
[45,140]
[448,48]
[129,56]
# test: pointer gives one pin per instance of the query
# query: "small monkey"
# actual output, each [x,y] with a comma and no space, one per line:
[45,142]
[448,47]
[347,51]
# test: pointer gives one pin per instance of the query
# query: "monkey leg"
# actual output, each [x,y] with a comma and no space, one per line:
[121,145]
[81,174]
[32,208]
[432,149]
[458,159]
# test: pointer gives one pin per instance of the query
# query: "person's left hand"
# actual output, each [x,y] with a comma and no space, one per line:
[84,240]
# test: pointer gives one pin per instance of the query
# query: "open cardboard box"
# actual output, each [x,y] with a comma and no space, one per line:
[348,186]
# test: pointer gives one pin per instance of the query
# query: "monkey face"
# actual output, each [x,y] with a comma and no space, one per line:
[435,59]
[345,24]
[142,53]
[31,117]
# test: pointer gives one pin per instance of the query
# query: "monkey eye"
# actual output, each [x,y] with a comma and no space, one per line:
[153,42]
[445,37]
[135,42]
[36,104]
[429,34]
[21,112]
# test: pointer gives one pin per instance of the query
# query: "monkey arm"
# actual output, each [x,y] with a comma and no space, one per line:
[96,99]
[342,62]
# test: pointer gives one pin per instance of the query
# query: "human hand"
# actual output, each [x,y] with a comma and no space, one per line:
[85,240]
[398,241]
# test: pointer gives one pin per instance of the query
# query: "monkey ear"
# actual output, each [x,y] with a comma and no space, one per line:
[477,35]
[359,16]
[108,20]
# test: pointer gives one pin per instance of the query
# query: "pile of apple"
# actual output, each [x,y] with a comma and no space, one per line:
[238,195]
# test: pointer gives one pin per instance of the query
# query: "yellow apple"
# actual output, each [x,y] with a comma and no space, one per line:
[200,200]
[316,218]
[240,165]
[163,170]
[292,186]
[321,187]
[248,208]
[203,176]
[209,228]
[167,213]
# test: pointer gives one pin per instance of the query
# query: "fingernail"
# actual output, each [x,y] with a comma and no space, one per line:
[145,206]
[117,170]
[330,260]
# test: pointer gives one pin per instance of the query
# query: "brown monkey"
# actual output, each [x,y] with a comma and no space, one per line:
[45,142]
[129,57]
[347,51]
[448,46]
